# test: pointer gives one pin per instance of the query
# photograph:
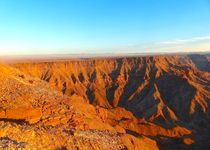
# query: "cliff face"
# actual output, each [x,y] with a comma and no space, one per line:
[34,116]
[165,98]
[155,88]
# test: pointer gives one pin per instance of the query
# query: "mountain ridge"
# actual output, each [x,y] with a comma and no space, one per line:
[161,101]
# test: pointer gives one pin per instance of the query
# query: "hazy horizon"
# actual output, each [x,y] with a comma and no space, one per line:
[53,27]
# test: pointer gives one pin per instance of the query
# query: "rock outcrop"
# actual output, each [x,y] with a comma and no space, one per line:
[35,116]
[153,87]
[156,102]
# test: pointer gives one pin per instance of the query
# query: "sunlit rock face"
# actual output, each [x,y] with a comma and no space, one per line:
[157,102]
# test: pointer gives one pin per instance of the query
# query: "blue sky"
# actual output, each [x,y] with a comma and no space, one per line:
[103,26]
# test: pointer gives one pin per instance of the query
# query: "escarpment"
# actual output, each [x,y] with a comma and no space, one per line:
[153,87]
[34,116]
[151,102]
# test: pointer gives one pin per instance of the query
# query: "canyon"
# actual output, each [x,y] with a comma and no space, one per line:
[142,102]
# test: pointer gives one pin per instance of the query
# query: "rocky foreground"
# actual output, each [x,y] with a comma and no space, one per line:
[34,116]
[120,103]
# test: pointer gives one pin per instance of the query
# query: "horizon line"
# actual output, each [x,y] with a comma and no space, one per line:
[107,54]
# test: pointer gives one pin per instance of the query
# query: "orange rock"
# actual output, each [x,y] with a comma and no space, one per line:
[156,94]
[29,114]
[133,143]
[119,129]
[2,114]
[188,141]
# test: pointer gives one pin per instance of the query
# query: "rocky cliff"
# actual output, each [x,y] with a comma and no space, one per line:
[157,101]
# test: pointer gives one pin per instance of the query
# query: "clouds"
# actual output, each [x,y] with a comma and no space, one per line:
[187,41]
[186,45]
[194,44]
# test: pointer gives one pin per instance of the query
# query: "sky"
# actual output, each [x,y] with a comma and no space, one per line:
[30,27]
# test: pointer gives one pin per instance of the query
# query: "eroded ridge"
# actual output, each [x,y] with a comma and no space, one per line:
[156,102]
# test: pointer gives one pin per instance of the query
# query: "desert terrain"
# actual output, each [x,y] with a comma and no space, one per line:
[119,103]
